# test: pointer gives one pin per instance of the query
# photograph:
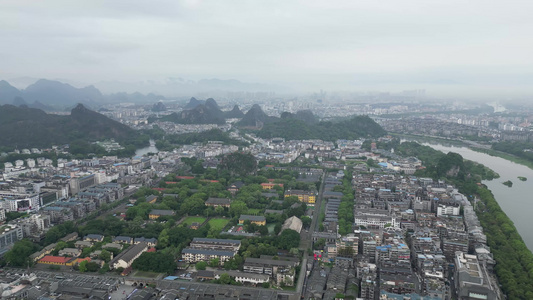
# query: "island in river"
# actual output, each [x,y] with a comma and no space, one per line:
[508,183]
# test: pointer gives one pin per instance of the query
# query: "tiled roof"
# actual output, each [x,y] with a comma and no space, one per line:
[55,259]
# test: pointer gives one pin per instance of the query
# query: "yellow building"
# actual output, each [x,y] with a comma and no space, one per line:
[258,220]
[156,213]
[303,196]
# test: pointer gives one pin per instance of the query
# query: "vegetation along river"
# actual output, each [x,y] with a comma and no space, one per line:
[515,201]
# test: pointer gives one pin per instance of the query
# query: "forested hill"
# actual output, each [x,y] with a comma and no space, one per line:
[23,127]
[295,129]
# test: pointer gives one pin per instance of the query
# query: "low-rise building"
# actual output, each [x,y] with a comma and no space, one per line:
[94,238]
[216,202]
[156,213]
[152,242]
[243,277]
[293,223]
[126,258]
[122,240]
[55,260]
[206,249]
[83,244]
[192,255]
[257,220]
[72,252]
[303,196]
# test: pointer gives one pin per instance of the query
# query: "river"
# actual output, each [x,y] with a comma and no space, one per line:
[149,149]
[515,201]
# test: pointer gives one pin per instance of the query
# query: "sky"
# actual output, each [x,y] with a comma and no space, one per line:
[477,46]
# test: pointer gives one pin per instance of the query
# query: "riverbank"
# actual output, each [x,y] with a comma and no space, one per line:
[467,144]
[506,156]
[514,261]
[515,201]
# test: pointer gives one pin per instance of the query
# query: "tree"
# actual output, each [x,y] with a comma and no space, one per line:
[215,262]
[319,245]
[263,230]
[104,269]
[224,278]
[82,267]
[240,164]
[288,239]
[92,267]
[19,255]
[237,208]
[201,265]
[277,228]
[155,262]
[60,245]
[294,251]
[105,255]
[163,239]
[194,205]
[306,221]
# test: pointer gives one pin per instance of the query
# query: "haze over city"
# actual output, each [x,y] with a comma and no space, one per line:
[449,48]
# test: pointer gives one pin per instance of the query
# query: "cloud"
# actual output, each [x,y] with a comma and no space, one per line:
[282,42]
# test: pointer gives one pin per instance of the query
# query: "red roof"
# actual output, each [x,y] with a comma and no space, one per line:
[55,259]
[126,271]
[151,250]
[79,260]
[171,182]
[185,177]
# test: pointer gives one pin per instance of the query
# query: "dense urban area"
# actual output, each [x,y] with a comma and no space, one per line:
[316,197]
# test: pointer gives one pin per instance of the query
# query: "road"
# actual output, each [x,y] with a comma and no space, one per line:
[306,241]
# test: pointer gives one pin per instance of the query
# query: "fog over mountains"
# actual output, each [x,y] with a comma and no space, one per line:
[53,94]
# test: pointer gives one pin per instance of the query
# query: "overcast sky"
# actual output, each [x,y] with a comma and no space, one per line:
[304,44]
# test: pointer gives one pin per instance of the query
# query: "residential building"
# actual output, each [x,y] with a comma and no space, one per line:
[9,235]
[156,213]
[243,277]
[216,202]
[303,196]
[257,220]
[126,258]
[191,255]
[93,238]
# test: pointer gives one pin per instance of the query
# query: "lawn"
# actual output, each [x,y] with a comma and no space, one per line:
[145,274]
[191,220]
[218,223]
[271,228]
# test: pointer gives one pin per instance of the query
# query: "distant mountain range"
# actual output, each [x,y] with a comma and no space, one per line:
[300,125]
[179,87]
[52,95]
[24,127]
[235,113]
[203,112]
[296,129]
[256,118]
